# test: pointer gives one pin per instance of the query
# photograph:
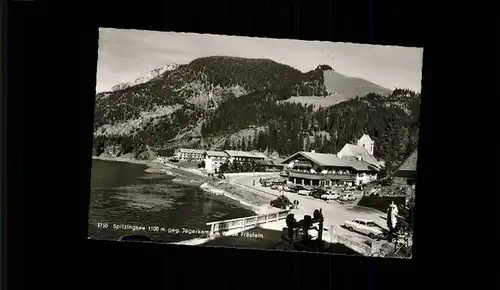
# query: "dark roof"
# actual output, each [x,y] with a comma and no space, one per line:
[409,166]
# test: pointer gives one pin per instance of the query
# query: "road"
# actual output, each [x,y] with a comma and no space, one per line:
[334,213]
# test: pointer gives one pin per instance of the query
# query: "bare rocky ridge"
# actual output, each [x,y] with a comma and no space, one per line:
[148,77]
[132,126]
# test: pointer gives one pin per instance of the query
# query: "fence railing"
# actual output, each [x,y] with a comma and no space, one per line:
[219,227]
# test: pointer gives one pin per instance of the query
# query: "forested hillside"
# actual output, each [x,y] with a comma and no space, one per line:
[260,107]
[391,121]
[226,102]
[170,109]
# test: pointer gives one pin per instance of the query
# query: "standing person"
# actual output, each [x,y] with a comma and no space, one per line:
[254,182]
[392,213]
[291,223]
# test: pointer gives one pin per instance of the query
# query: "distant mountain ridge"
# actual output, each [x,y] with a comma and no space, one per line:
[217,101]
[155,73]
[339,88]
[345,87]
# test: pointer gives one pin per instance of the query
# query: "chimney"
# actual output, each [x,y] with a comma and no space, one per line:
[313,151]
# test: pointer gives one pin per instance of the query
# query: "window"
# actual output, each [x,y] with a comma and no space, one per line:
[360,222]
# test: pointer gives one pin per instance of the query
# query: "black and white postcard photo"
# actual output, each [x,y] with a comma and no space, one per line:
[272,144]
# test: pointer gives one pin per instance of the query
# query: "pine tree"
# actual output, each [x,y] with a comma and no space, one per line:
[243,144]
[255,141]
[318,143]
[262,141]
[325,148]
[233,144]
[227,144]
[307,143]
[249,146]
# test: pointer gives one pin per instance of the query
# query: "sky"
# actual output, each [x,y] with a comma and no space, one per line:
[125,55]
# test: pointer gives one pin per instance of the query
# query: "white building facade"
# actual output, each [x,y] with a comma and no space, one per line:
[365,177]
[186,154]
[214,159]
[366,142]
[242,156]
[363,150]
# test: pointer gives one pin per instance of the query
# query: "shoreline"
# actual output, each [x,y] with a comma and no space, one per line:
[192,177]
[160,168]
[207,187]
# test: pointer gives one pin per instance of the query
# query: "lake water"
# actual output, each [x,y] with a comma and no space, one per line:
[123,196]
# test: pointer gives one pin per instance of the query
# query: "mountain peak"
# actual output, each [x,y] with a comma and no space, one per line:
[153,74]
[324,67]
[350,87]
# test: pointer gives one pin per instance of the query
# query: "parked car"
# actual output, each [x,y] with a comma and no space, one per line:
[330,196]
[304,192]
[264,180]
[317,193]
[357,193]
[275,187]
[282,202]
[366,227]
[334,191]
[295,188]
[347,197]
[279,181]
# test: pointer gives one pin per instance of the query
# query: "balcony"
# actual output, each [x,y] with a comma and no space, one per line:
[318,176]
[303,164]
